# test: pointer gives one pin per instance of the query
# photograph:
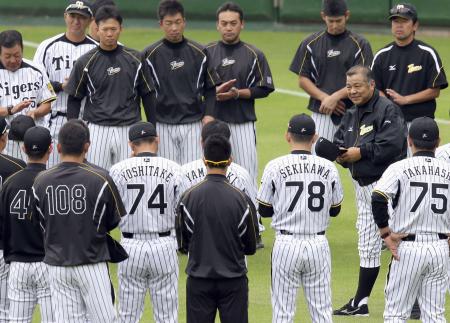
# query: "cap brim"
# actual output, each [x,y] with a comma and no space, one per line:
[80,12]
[399,15]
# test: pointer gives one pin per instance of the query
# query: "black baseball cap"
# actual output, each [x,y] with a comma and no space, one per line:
[3,126]
[424,130]
[80,7]
[20,125]
[141,130]
[334,8]
[302,124]
[326,149]
[403,10]
[37,140]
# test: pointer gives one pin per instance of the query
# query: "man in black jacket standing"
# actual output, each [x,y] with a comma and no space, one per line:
[373,136]
[216,225]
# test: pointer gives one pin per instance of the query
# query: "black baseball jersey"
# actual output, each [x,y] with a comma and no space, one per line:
[407,70]
[249,67]
[218,232]
[324,59]
[22,237]
[76,205]
[113,82]
[179,73]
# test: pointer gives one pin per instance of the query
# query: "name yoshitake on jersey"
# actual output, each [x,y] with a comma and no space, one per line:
[29,82]
[57,55]
[301,188]
[150,187]
[414,184]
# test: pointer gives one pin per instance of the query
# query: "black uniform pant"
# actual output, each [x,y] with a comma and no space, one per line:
[205,296]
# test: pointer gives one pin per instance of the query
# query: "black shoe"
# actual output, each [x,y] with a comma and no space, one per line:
[259,243]
[415,312]
[350,310]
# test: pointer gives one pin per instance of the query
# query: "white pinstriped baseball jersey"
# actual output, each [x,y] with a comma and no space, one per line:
[418,183]
[28,82]
[57,56]
[443,152]
[150,187]
[237,175]
[301,188]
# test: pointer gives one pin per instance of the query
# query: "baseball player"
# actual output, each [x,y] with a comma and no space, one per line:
[237,175]
[373,136]
[28,275]
[409,71]
[300,192]
[232,59]
[8,166]
[417,231]
[93,28]
[77,205]
[217,225]
[321,61]
[57,56]
[178,68]
[150,186]
[19,125]
[24,88]
[111,107]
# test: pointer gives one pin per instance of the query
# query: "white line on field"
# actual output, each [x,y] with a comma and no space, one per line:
[282,91]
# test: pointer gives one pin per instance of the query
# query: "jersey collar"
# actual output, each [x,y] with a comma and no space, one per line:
[297,152]
[36,166]
[146,154]
[424,153]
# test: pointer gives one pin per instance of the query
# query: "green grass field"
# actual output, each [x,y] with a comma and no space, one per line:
[273,115]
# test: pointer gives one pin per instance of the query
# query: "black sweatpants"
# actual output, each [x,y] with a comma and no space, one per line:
[205,296]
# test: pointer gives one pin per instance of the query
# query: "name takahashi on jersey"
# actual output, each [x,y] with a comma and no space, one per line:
[427,170]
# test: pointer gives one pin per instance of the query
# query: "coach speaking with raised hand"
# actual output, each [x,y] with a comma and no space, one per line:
[374,133]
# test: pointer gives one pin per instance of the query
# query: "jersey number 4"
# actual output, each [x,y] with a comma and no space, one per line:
[151,204]
[316,190]
[434,194]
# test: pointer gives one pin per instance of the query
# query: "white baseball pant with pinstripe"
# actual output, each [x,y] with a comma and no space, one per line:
[54,126]
[426,262]
[152,265]
[180,142]
[4,301]
[324,125]
[369,241]
[301,260]
[80,291]
[28,286]
[243,147]
[109,145]
[14,149]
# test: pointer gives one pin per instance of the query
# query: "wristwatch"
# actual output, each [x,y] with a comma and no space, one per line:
[9,109]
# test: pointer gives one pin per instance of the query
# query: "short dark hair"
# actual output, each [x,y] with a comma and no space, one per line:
[364,70]
[169,8]
[217,151]
[72,137]
[215,127]
[10,38]
[33,155]
[84,125]
[100,3]
[425,145]
[301,138]
[108,12]
[145,140]
[230,6]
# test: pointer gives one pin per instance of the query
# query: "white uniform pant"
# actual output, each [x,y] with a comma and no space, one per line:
[301,261]
[243,147]
[82,291]
[420,273]
[369,241]
[4,301]
[28,286]
[324,125]
[180,142]
[14,149]
[54,126]
[152,265]
[109,145]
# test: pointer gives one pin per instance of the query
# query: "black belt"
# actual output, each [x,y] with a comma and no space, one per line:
[412,237]
[321,233]
[129,235]
[58,114]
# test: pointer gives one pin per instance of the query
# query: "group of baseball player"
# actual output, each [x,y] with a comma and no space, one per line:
[78,162]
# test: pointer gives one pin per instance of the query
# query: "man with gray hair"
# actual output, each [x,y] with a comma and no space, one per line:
[372,134]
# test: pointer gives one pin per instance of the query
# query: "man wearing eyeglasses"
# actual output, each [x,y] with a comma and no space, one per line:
[409,71]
